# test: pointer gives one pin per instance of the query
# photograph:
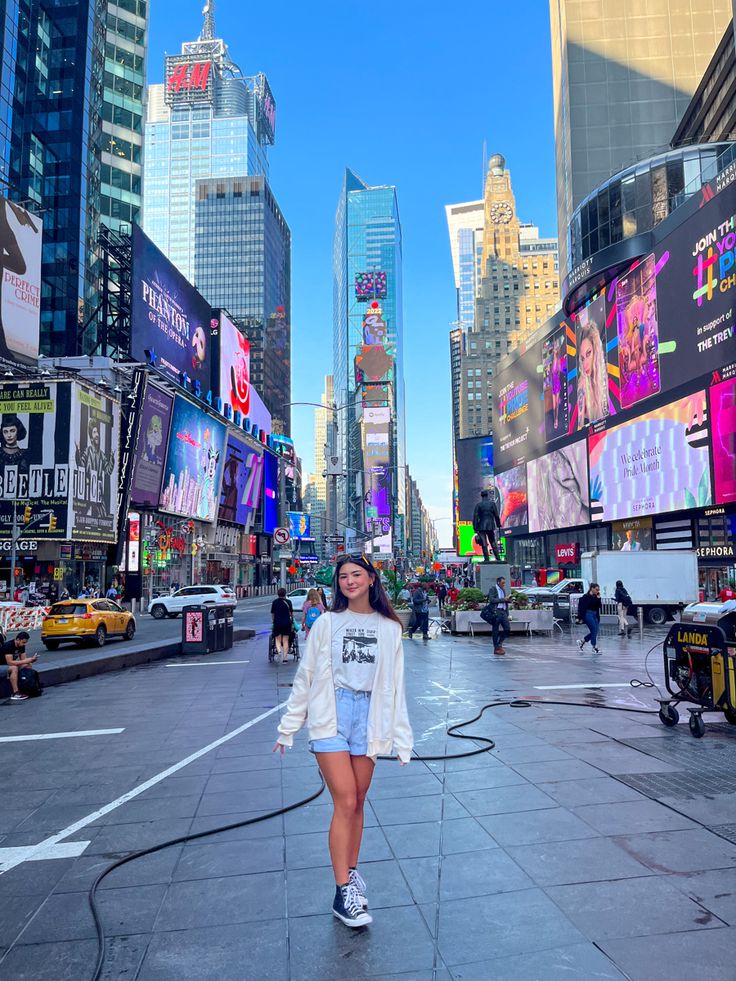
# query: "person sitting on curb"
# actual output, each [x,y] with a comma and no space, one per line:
[15,659]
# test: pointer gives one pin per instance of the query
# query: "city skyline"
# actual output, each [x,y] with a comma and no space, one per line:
[316,146]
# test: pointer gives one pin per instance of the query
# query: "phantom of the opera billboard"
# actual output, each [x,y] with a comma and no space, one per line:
[59,447]
[169,319]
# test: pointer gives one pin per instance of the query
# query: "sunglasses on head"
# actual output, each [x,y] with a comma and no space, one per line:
[357,557]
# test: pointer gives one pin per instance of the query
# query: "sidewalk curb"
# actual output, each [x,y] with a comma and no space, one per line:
[85,664]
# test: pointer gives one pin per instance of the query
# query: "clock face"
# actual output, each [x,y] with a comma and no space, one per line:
[501,213]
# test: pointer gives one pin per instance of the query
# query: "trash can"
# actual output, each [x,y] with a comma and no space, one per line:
[193,630]
[211,612]
[219,628]
[229,619]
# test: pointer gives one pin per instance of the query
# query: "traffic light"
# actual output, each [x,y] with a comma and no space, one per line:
[27,514]
[52,522]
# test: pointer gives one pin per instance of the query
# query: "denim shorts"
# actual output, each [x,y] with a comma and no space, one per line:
[352,725]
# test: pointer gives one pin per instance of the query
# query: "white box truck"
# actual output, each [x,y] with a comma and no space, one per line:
[660,582]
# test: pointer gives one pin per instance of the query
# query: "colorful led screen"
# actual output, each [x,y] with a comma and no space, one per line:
[656,462]
[722,399]
[370,285]
[194,463]
[557,487]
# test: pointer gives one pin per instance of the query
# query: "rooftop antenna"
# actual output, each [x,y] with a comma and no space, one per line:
[208,30]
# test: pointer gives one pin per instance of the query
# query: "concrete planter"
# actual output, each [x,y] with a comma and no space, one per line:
[404,614]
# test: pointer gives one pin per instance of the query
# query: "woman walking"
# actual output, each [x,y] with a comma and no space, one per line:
[312,610]
[350,685]
[282,615]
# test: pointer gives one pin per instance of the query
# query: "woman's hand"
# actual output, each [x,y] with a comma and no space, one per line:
[279,747]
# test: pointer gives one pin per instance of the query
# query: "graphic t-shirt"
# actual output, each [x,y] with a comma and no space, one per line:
[355,649]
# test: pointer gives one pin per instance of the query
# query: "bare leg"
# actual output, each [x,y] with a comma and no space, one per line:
[340,780]
[363,767]
[13,676]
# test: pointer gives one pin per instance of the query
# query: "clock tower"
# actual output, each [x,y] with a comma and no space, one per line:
[501,231]
[518,290]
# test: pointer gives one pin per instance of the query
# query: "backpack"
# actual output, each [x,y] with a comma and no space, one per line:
[29,682]
[311,616]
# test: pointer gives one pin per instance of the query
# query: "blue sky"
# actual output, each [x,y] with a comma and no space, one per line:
[404,93]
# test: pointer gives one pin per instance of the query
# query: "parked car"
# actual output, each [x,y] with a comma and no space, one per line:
[86,621]
[557,596]
[298,597]
[172,606]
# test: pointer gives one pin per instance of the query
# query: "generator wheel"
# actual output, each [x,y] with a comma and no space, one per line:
[730,715]
[669,716]
[697,726]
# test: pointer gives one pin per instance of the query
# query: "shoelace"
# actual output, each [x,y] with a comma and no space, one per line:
[357,880]
[350,901]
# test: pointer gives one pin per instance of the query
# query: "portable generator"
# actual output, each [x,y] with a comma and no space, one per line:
[700,664]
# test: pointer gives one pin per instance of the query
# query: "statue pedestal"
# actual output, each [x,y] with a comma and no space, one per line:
[486,574]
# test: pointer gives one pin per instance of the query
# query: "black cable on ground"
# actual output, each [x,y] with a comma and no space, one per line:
[489,744]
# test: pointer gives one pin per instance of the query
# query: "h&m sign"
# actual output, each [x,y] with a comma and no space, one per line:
[188,81]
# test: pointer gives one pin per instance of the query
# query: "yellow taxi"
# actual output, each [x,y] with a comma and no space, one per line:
[86,621]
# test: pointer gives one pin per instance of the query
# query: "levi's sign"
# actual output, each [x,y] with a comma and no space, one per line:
[567,554]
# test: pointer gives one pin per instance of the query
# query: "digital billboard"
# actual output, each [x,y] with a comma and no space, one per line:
[241,482]
[299,524]
[95,429]
[148,469]
[557,489]
[722,399]
[638,333]
[556,369]
[194,463]
[234,368]
[513,504]
[168,317]
[518,410]
[370,286]
[591,374]
[21,234]
[377,497]
[474,457]
[35,450]
[656,462]
[270,492]
[467,546]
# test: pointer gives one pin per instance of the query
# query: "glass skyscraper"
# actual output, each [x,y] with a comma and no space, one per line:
[368,364]
[126,35]
[51,107]
[242,262]
[206,120]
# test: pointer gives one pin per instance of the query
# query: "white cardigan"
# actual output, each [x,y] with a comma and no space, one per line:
[313,693]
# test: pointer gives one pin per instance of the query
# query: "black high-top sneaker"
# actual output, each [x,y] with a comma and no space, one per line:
[347,907]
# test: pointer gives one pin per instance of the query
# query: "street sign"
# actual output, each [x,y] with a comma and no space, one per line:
[281,536]
[334,538]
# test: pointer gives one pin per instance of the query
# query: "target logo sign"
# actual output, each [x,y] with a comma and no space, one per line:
[281,536]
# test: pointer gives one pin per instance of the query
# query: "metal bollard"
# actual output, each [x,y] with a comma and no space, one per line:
[640,618]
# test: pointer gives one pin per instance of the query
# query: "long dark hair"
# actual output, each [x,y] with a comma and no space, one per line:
[377,595]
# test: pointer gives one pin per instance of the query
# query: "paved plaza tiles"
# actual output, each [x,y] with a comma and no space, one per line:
[589,844]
